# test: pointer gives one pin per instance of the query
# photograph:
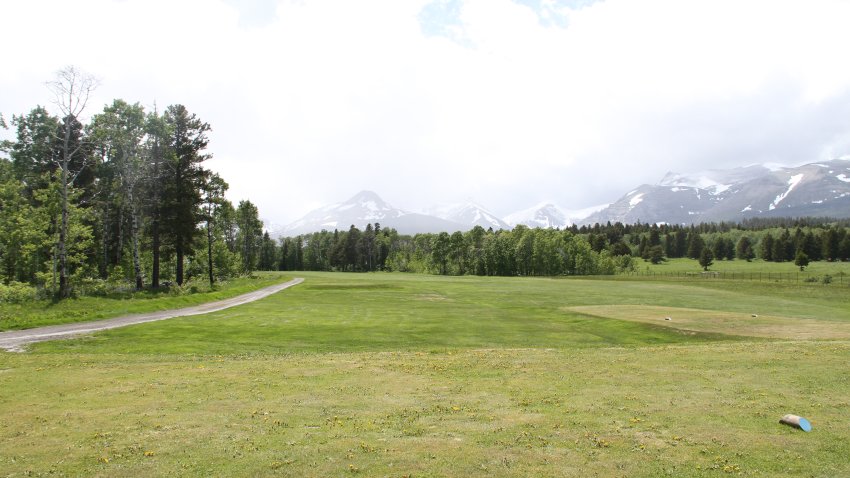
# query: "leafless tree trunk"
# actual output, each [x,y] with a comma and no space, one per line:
[72,89]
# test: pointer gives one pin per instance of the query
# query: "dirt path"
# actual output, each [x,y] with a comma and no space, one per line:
[15,340]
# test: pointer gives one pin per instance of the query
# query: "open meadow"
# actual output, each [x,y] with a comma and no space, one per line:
[415,375]
[757,270]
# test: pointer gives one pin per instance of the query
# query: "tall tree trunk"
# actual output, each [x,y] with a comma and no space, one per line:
[64,290]
[156,245]
[134,232]
[120,249]
[179,272]
[104,270]
[209,252]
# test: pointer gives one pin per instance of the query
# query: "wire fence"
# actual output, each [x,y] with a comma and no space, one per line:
[748,276]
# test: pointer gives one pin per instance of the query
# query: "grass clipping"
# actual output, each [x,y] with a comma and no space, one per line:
[729,323]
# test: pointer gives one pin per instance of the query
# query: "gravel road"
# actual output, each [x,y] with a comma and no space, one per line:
[16,340]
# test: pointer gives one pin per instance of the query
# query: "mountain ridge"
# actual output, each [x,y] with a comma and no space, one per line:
[813,189]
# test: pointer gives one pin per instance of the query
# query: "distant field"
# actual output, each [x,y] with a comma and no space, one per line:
[819,268]
[414,375]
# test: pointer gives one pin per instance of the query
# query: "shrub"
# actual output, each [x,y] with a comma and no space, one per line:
[17,292]
[92,286]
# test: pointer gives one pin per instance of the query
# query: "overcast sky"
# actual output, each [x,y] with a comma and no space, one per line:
[509,102]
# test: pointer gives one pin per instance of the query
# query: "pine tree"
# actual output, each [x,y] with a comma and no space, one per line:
[706,258]
[695,244]
[250,235]
[766,247]
[744,249]
[801,259]
[184,179]
[214,189]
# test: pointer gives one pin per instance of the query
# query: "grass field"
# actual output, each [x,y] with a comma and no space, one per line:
[413,375]
[757,266]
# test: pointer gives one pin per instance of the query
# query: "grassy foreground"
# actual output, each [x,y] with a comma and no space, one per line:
[401,375]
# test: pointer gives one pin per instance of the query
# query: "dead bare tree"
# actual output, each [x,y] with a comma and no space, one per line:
[72,89]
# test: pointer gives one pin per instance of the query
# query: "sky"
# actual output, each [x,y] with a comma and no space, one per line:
[507,102]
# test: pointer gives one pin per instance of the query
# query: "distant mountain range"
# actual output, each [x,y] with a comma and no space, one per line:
[816,189]
[364,208]
[469,215]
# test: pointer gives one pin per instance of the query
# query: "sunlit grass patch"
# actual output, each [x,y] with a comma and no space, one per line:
[721,322]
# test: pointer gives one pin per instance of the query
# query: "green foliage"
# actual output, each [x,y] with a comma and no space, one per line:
[249,239]
[696,245]
[623,263]
[801,259]
[620,248]
[523,251]
[744,249]
[16,293]
[130,185]
[706,258]
[655,254]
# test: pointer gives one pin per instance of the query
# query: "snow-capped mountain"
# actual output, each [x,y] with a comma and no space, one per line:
[470,214]
[548,215]
[716,181]
[364,208]
[816,189]
[545,215]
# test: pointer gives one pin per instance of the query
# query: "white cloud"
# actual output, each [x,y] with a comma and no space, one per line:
[324,98]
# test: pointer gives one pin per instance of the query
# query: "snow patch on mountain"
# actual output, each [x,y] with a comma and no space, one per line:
[470,214]
[635,200]
[843,177]
[774,167]
[545,215]
[364,208]
[792,183]
[713,181]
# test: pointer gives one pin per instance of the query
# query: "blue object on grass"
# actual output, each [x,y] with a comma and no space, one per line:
[796,422]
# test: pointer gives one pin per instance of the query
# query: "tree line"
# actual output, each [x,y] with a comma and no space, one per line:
[585,250]
[816,239]
[521,251]
[123,197]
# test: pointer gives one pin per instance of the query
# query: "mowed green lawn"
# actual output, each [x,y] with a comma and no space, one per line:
[413,375]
